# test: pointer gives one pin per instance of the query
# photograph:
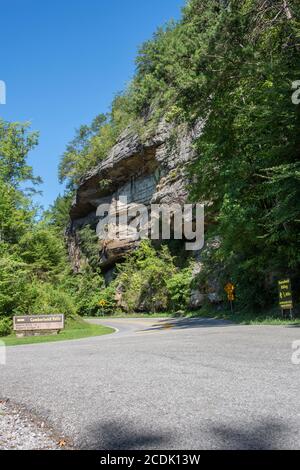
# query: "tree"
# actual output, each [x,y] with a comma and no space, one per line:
[15,144]
[92,143]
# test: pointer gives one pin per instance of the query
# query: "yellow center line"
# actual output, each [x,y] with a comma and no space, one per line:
[156,328]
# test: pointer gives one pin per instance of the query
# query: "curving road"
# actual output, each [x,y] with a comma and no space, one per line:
[164,384]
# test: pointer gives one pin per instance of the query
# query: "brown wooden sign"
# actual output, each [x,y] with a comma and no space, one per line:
[37,323]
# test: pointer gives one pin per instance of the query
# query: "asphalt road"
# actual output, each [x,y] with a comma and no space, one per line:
[161,384]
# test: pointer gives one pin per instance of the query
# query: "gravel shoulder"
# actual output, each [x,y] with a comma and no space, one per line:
[21,431]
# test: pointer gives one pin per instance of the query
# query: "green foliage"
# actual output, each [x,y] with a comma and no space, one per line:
[15,144]
[247,165]
[42,249]
[89,245]
[92,143]
[14,283]
[107,302]
[88,291]
[232,63]
[23,292]
[179,290]
[16,211]
[169,67]
[5,326]
[73,163]
[58,213]
[149,281]
[48,299]
[33,258]
[142,278]
[16,214]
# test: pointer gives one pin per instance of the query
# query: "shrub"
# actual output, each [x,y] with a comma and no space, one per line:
[14,285]
[88,290]
[89,245]
[107,302]
[42,249]
[50,299]
[179,289]
[142,278]
[5,326]
[149,281]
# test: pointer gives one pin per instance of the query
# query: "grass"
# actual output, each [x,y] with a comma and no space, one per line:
[74,329]
[132,315]
[272,317]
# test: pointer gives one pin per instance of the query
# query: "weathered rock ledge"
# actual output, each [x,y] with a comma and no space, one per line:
[151,172]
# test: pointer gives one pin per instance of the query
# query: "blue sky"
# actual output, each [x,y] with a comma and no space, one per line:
[63,62]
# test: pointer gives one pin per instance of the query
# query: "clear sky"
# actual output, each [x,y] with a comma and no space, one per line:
[64,60]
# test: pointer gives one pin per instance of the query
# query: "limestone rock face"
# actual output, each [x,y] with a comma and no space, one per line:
[148,172]
[197,299]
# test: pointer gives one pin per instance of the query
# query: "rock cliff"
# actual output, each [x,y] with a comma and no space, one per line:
[151,171]
[148,172]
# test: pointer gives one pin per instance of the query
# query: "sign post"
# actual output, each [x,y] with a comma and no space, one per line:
[102,304]
[286,296]
[229,289]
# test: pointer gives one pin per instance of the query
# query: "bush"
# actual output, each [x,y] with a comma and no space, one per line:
[14,285]
[89,246]
[88,290]
[5,326]
[149,281]
[107,303]
[142,278]
[49,299]
[179,289]
[42,249]
[22,293]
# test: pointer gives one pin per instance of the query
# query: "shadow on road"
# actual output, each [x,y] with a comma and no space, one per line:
[264,436]
[113,436]
[268,435]
[188,323]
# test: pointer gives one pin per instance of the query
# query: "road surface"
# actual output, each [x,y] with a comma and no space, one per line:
[164,384]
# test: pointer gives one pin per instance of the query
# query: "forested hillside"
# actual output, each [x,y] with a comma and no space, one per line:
[229,63]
